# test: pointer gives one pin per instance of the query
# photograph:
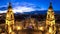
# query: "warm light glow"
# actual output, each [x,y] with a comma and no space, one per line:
[18,27]
[50,30]
[41,28]
[52,17]
[10,9]
[10,30]
[7,15]
[59,29]
[9,20]
[46,33]
[33,24]
[49,10]
[50,21]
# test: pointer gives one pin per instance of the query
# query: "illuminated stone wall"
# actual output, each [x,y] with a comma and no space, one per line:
[50,21]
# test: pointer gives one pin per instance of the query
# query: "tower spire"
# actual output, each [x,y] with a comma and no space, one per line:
[50,20]
[9,7]
[9,19]
[50,7]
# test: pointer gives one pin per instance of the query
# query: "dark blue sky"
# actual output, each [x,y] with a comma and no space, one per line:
[30,4]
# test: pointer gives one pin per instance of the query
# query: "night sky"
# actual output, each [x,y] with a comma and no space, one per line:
[28,5]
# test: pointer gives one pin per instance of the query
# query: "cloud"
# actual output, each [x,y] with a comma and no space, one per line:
[3,11]
[24,4]
[26,7]
[19,9]
[22,7]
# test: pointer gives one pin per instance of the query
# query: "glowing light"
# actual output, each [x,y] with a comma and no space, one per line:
[47,33]
[33,24]
[41,28]
[59,29]
[50,30]
[49,10]
[50,21]
[10,9]
[7,15]
[19,28]
[10,30]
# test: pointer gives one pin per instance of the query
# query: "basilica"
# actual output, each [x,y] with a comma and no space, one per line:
[13,27]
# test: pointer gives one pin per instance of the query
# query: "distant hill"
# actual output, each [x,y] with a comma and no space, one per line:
[37,12]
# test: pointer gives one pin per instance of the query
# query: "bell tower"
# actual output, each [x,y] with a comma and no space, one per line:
[9,19]
[50,20]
